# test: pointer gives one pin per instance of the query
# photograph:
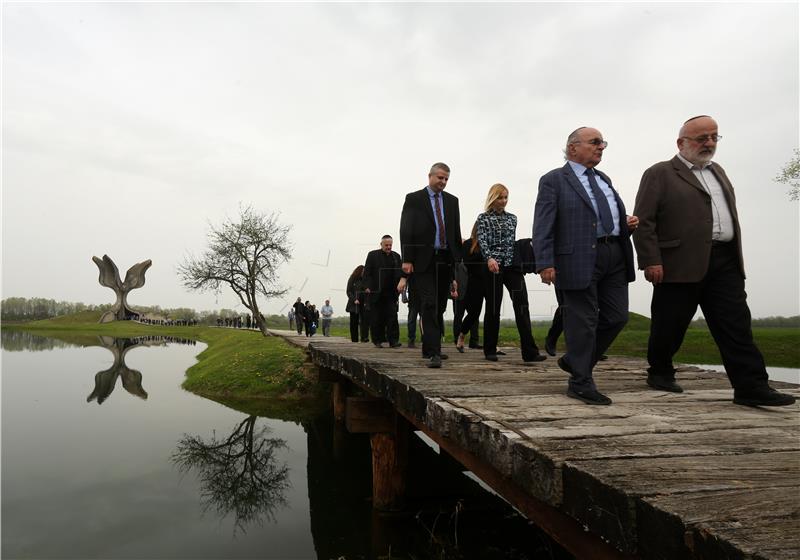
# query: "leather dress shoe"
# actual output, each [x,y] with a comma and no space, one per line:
[602,358]
[550,346]
[377,345]
[476,346]
[589,396]
[562,363]
[435,362]
[411,344]
[491,357]
[664,384]
[762,396]
[440,355]
[536,358]
[500,353]
[396,345]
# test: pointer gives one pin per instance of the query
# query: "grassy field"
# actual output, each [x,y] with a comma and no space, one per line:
[780,345]
[239,368]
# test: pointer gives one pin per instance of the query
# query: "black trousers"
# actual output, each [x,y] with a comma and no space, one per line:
[462,307]
[433,289]
[354,326]
[515,284]
[557,326]
[721,296]
[383,319]
[593,317]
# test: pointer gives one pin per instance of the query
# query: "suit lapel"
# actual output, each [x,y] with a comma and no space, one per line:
[425,200]
[576,185]
[686,174]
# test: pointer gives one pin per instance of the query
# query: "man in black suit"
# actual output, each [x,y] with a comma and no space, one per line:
[381,274]
[430,239]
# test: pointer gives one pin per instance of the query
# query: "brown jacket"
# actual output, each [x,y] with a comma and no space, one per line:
[675,221]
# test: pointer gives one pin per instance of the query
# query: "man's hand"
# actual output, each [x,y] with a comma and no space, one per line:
[548,275]
[654,273]
[454,290]
[401,285]
[493,265]
[408,268]
[633,222]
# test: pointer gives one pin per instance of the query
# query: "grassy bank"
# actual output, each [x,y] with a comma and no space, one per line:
[239,368]
[780,345]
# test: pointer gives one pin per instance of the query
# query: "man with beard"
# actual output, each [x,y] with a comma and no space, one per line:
[689,244]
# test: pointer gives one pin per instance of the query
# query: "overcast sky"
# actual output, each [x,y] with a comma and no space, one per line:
[127,127]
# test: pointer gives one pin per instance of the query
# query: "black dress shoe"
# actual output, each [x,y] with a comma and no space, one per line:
[476,346]
[663,384]
[590,396]
[460,349]
[491,357]
[536,358]
[435,362]
[562,363]
[443,356]
[411,345]
[550,346]
[762,396]
[377,345]
[602,358]
[500,353]
[396,345]
[440,355]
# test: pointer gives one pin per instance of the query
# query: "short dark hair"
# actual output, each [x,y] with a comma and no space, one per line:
[439,165]
[387,236]
[697,117]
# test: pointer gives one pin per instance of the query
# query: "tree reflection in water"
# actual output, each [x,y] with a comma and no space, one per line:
[240,474]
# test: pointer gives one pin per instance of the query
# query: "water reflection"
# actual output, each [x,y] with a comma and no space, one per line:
[239,475]
[105,381]
[19,341]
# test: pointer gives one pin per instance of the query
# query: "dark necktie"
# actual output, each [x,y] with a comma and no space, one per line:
[602,203]
[439,221]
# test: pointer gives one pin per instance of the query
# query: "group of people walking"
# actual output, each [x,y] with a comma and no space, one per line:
[687,237]
[306,316]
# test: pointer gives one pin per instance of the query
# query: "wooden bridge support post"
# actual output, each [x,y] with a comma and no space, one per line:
[389,433]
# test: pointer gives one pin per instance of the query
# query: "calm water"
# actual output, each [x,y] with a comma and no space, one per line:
[105,456]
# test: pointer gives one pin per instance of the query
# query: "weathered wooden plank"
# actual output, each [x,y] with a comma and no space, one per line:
[760,523]
[603,493]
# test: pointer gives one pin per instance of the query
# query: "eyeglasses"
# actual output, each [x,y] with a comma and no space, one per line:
[704,138]
[593,141]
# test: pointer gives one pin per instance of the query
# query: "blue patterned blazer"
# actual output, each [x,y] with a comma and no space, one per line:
[565,230]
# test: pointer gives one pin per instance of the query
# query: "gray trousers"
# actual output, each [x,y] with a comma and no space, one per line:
[593,317]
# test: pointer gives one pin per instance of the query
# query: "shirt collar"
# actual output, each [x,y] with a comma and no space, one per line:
[691,165]
[430,191]
[578,168]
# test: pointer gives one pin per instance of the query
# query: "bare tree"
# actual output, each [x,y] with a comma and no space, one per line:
[240,474]
[790,175]
[244,254]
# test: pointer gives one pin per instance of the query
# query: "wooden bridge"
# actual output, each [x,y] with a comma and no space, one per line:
[655,475]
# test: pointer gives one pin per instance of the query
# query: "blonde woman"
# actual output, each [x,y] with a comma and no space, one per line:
[496,233]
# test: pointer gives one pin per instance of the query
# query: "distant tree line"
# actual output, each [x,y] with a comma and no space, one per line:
[33,309]
[791,322]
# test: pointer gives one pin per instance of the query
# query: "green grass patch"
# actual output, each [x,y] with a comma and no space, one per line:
[239,368]
[779,345]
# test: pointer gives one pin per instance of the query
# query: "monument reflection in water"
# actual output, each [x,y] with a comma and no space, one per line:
[105,381]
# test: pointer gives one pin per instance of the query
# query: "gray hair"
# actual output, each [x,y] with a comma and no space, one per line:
[443,166]
[572,139]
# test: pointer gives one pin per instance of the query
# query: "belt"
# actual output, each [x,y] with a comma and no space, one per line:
[606,239]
